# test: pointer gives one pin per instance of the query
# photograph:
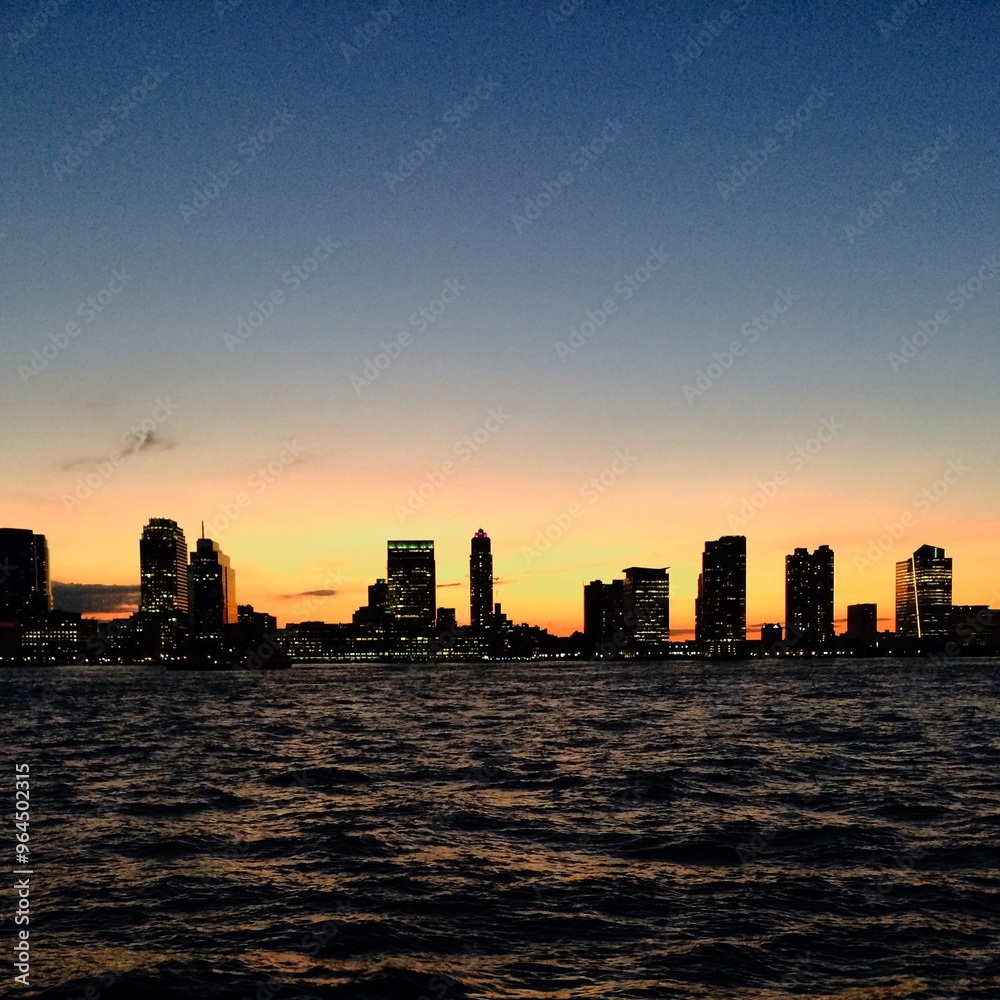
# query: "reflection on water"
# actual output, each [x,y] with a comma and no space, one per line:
[682,830]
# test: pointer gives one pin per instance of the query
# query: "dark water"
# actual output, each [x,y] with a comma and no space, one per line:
[681,830]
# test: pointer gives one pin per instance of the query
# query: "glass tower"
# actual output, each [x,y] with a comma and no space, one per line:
[211,589]
[923,593]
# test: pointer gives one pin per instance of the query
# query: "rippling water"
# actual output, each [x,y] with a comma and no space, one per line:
[682,830]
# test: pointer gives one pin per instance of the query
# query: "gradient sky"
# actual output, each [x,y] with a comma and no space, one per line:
[744,166]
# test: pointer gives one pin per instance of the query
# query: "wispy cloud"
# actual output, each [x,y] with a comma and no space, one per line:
[134,442]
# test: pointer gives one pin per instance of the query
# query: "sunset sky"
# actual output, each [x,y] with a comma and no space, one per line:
[215,230]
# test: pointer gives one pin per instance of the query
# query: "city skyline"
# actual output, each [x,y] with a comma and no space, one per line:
[626,292]
[410,592]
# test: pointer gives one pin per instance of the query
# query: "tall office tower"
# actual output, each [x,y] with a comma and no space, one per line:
[721,607]
[603,610]
[25,588]
[412,581]
[481,580]
[809,598]
[923,593]
[211,589]
[646,600]
[862,623]
[163,567]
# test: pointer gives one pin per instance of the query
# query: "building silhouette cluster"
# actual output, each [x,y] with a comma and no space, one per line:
[188,612]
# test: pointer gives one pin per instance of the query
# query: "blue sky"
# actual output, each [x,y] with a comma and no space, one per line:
[842,154]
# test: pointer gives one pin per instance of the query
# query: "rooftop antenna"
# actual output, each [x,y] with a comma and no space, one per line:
[203,529]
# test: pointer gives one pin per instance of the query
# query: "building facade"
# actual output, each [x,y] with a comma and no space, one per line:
[862,623]
[211,589]
[646,605]
[809,598]
[604,614]
[481,580]
[923,594]
[721,605]
[163,560]
[25,587]
[412,581]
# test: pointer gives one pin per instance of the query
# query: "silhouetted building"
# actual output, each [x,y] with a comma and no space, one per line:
[211,589]
[54,637]
[975,625]
[646,603]
[25,588]
[604,614]
[246,615]
[447,621]
[480,580]
[377,610]
[412,581]
[862,623]
[721,605]
[163,572]
[770,637]
[923,594]
[809,598]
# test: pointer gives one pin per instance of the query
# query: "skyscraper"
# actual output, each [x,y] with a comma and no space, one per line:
[481,580]
[809,598]
[211,589]
[163,567]
[25,588]
[721,606]
[646,601]
[604,612]
[412,581]
[862,623]
[923,593]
